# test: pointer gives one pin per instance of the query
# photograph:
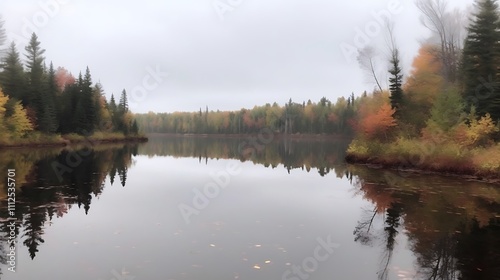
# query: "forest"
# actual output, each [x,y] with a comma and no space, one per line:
[444,115]
[311,117]
[42,105]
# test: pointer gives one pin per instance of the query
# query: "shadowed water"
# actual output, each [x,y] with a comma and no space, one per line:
[240,208]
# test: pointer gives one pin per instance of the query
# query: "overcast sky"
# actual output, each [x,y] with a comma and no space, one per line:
[180,55]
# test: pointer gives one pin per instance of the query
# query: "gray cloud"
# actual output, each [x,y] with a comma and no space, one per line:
[262,51]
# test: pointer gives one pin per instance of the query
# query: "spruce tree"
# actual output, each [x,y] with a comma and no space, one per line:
[122,110]
[481,60]
[13,78]
[47,120]
[395,83]
[123,104]
[134,129]
[34,63]
[113,110]
[88,101]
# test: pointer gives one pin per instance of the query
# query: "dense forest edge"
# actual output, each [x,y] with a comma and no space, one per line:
[44,106]
[444,116]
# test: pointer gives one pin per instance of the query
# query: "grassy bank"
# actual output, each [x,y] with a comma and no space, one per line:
[37,139]
[421,155]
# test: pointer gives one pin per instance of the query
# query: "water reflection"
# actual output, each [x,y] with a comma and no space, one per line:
[324,156]
[51,181]
[451,226]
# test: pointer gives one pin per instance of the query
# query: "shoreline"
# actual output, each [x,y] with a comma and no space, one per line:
[296,136]
[470,173]
[64,142]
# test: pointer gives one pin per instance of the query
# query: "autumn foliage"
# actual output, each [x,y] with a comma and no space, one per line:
[378,125]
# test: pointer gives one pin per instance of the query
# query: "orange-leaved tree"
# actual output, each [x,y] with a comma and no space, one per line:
[423,86]
[376,126]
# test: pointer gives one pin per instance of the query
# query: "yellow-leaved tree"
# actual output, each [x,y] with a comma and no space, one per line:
[478,132]
[3,101]
[18,123]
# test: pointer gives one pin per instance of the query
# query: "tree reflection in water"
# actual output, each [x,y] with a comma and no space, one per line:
[452,226]
[42,193]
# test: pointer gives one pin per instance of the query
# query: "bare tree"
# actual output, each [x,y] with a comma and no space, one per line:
[366,59]
[448,28]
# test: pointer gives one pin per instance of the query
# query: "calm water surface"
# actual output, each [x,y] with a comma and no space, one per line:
[187,208]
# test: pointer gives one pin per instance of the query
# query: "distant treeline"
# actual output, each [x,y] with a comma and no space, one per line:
[306,117]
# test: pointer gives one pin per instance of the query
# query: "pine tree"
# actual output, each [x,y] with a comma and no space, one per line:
[103,116]
[47,120]
[123,104]
[34,63]
[396,82]
[134,129]
[122,110]
[88,102]
[112,104]
[113,109]
[13,78]
[481,60]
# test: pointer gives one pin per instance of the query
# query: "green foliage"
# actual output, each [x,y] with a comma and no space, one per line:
[481,57]
[396,83]
[447,112]
[35,101]
[292,118]
[13,78]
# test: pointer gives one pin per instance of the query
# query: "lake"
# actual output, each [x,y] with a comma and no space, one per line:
[238,208]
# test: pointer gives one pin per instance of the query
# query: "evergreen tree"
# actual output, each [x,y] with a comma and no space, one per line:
[481,60]
[121,114]
[113,109]
[396,82]
[123,104]
[47,120]
[134,129]
[103,117]
[89,104]
[34,63]
[112,104]
[13,79]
